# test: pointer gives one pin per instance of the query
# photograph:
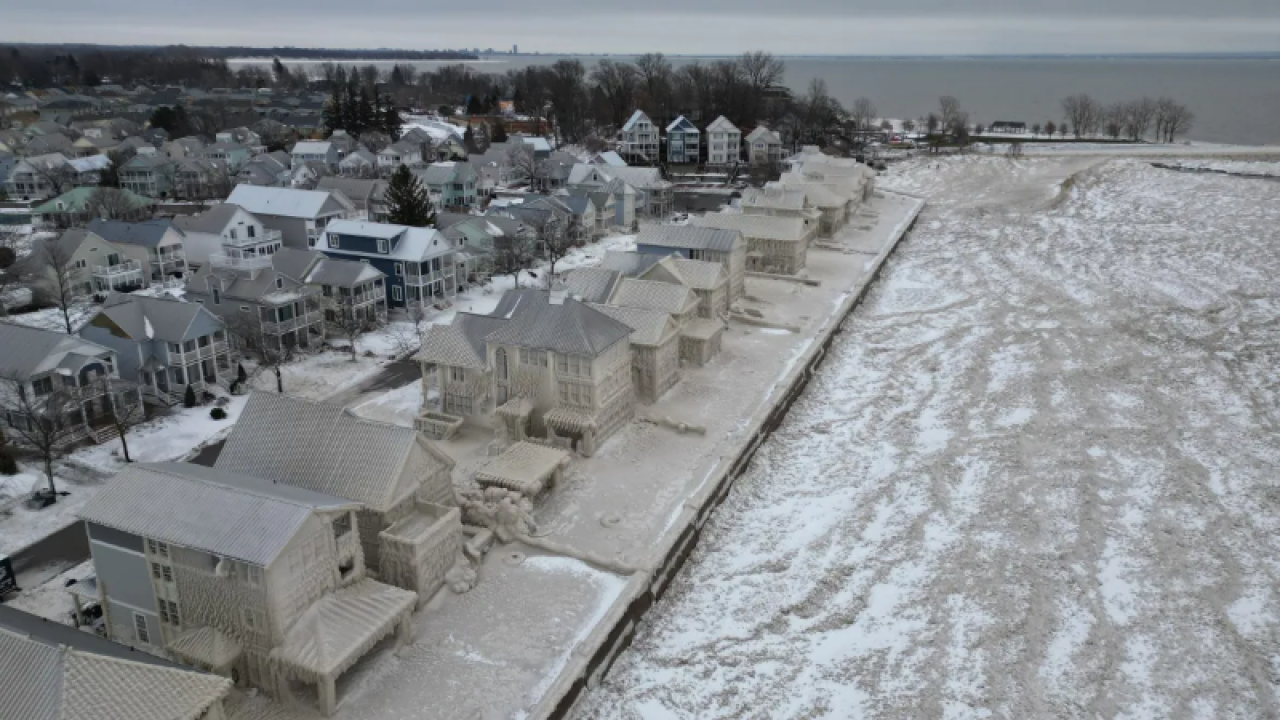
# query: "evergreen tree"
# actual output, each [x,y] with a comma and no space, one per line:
[351,107]
[334,108]
[407,200]
[474,105]
[499,133]
[189,397]
[469,139]
[241,376]
[389,118]
[366,118]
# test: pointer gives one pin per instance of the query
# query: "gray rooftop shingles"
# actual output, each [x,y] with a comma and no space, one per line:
[689,237]
[25,351]
[148,233]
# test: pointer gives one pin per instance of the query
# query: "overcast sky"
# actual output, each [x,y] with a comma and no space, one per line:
[852,27]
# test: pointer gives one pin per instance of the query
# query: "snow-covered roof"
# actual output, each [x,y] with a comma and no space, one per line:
[91,163]
[414,244]
[683,125]
[636,117]
[690,237]
[722,124]
[524,467]
[652,295]
[283,202]
[207,509]
[27,351]
[650,326]
[569,327]
[768,227]
[592,284]
[142,317]
[311,147]
[322,448]
[336,630]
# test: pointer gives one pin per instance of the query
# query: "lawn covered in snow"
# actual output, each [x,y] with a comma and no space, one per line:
[1035,478]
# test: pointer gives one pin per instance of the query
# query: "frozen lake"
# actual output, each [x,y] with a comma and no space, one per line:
[1036,477]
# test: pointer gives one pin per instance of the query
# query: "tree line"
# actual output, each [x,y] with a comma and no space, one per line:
[1132,119]
[356,107]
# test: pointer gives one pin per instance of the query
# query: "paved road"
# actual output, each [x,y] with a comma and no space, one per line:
[394,376]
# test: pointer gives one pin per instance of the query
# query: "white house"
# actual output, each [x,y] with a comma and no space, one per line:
[724,142]
[683,141]
[640,137]
[764,146]
[315,151]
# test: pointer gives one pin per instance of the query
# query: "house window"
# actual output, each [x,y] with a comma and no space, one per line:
[251,230]
[140,628]
[326,290]
[166,573]
[382,245]
[217,296]
[174,618]
[396,293]
[233,233]
[399,269]
[457,374]
[42,386]
[155,571]
[279,283]
[334,240]
[341,525]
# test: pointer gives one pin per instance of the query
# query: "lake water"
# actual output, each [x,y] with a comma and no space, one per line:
[1235,100]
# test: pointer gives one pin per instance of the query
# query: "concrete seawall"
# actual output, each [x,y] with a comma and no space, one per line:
[592,659]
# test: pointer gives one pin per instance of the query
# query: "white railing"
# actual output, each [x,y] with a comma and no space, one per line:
[128,267]
[266,237]
[240,263]
[284,326]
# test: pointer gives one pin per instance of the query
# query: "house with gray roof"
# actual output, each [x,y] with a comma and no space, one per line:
[258,581]
[684,142]
[359,163]
[62,380]
[148,175]
[775,244]
[368,195]
[764,146]
[232,155]
[163,345]
[420,264]
[404,152]
[709,281]
[451,185]
[388,469]
[640,141]
[538,356]
[299,215]
[726,247]
[54,672]
[157,245]
[205,232]
[319,152]
[655,349]
[93,265]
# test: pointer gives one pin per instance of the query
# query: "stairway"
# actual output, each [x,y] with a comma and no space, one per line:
[104,434]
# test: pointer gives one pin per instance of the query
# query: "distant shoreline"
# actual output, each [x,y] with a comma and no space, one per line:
[501,56]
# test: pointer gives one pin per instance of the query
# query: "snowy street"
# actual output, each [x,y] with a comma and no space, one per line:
[1035,478]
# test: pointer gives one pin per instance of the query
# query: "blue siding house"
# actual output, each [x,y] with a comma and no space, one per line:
[420,263]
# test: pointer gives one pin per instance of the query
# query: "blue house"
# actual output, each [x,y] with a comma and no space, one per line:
[420,263]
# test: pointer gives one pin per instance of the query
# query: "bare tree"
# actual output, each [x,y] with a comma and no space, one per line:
[525,165]
[13,273]
[761,71]
[1050,128]
[513,256]
[1171,119]
[44,415]
[109,204]
[1139,118]
[250,337]
[341,316]
[949,112]
[1083,113]
[908,125]
[932,122]
[125,408]
[1114,120]
[55,171]
[1035,129]
[58,277]
[617,82]
[656,84]
[862,112]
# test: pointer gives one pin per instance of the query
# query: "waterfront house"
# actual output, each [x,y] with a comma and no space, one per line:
[390,470]
[148,175]
[640,140]
[684,144]
[163,344]
[256,580]
[709,281]
[319,152]
[300,215]
[655,349]
[420,264]
[764,146]
[452,185]
[724,142]
[596,179]
[726,247]
[539,353]
[157,245]
[775,244]
[653,194]
[53,671]
[64,381]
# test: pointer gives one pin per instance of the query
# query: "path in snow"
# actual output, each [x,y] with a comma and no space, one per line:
[1035,478]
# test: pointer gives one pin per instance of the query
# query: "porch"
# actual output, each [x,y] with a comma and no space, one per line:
[123,276]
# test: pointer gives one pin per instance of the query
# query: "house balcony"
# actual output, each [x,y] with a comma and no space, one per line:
[235,262]
[120,275]
[187,357]
[358,299]
[267,237]
[301,321]
[426,279]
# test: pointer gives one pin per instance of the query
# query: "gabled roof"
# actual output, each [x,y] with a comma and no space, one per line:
[649,326]
[592,285]
[774,198]
[698,274]
[644,178]
[146,318]
[651,295]
[359,190]
[763,133]
[146,234]
[295,263]
[768,227]
[722,124]
[48,679]
[312,147]
[414,244]
[570,327]
[342,273]
[636,117]
[460,344]
[630,264]
[322,448]
[212,221]
[683,125]
[284,202]
[209,509]
[27,351]
[689,237]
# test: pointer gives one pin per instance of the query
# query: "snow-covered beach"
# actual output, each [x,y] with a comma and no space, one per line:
[1035,478]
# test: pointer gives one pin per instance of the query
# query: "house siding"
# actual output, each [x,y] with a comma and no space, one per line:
[124,576]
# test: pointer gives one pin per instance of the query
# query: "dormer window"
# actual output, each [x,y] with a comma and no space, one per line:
[382,245]
[279,282]
[334,240]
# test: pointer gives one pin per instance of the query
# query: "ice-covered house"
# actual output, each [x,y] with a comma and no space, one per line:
[254,580]
[774,244]
[163,345]
[684,144]
[764,146]
[52,671]
[724,142]
[709,281]
[726,247]
[401,479]
[540,358]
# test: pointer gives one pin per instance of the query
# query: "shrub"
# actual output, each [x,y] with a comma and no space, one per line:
[218,414]
[189,397]
[8,466]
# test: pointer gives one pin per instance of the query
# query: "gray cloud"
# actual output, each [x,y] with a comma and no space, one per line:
[674,26]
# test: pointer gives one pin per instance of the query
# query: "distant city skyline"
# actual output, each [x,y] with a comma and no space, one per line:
[710,27]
